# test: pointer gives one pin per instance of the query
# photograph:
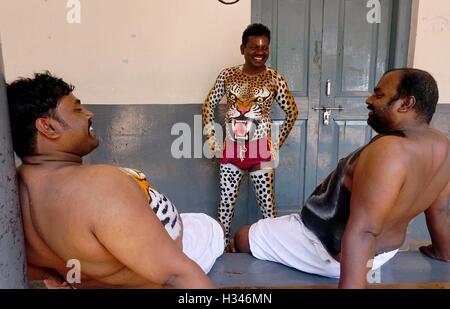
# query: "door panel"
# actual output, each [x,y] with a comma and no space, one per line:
[351,134]
[294,25]
[363,51]
[292,44]
[314,41]
[355,55]
[291,168]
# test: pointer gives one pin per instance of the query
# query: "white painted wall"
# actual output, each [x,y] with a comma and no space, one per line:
[163,51]
[135,52]
[431,48]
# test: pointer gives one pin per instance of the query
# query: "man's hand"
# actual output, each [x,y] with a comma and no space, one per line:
[274,150]
[215,150]
[430,252]
[56,283]
[438,223]
[51,278]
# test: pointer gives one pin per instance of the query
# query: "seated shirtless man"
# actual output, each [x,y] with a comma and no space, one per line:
[356,219]
[122,231]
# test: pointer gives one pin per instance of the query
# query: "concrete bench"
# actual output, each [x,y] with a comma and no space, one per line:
[408,269]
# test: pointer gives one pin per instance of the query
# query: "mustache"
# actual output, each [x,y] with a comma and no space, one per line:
[370,107]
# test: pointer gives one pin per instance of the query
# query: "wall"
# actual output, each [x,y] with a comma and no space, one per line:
[162,52]
[431,42]
[142,51]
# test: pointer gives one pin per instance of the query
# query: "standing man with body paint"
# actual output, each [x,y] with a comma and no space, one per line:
[250,90]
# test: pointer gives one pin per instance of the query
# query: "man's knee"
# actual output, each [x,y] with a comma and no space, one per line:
[241,242]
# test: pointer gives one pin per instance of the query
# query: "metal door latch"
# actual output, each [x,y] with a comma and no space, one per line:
[327,113]
[328,88]
[326,117]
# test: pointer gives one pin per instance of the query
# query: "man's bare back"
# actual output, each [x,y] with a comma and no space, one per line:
[75,204]
[424,158]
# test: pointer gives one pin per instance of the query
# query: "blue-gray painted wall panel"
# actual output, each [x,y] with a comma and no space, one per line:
[140,136]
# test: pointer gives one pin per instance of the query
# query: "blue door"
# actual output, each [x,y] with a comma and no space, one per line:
[332,53]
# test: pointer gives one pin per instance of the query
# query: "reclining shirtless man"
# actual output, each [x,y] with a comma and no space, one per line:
[356,219]
[122,231]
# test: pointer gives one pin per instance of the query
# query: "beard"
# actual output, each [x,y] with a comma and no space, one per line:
[379,120]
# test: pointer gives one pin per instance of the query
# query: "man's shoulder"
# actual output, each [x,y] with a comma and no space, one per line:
[388,147]
[105,174]
[440,136]
[110,183]
[97,170]
[234,68]
[275,76]
[230,70]
[274,72]
[400,139]
[389,138]
[399,146]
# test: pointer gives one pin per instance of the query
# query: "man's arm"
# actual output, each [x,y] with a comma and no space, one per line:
[127,227]
[372,199]
[214,96]
[287,104]
[51,278]
[438,223]
[41,273]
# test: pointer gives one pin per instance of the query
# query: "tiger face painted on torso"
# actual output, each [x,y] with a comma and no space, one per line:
[249,99]
[245,117]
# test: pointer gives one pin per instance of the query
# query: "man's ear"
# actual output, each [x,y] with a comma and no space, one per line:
[242,49]
[407,104]
[48,127]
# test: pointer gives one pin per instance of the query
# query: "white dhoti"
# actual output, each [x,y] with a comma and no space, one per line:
[203,239]
[288,241]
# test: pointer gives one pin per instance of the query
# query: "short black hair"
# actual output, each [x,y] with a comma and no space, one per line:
[421,85]
[28,100]
[255,30]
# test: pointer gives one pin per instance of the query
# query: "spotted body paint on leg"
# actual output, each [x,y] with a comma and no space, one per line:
[230,181]
[263,182]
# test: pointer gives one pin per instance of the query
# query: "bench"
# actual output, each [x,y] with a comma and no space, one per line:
[408,269]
